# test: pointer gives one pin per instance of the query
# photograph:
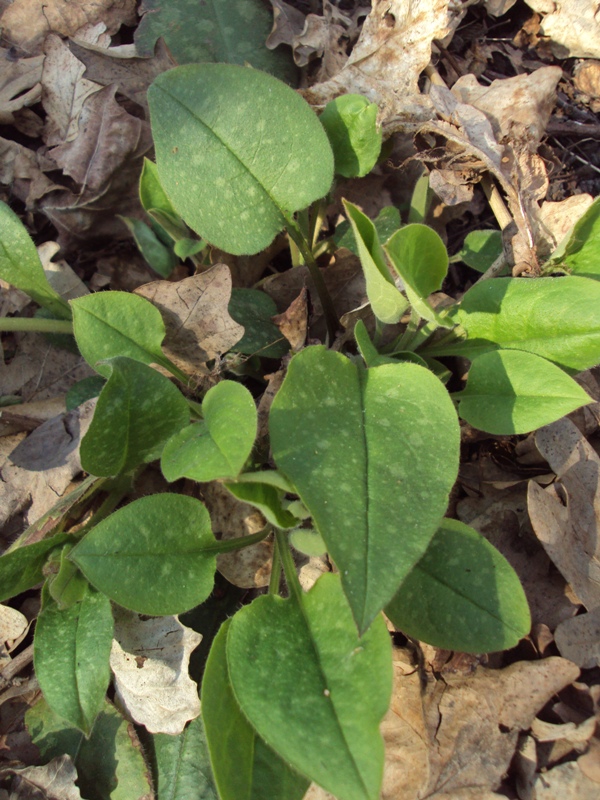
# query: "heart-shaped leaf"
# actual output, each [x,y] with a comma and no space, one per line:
[218,445]
[510,391]
[245,153]
[556,318]
[232,740]
[20,264]
[72,649]
[462,595]
[321,711]
[137,412]
[153,556]
[420,258]
[373,455]
[110,324]
[387,302]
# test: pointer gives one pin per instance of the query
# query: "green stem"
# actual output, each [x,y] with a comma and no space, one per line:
[328,308]
[421,335]
[275,572]
[401,343]
[174,370]
[317,218]
[289,568]
[230,545]
[196,409]
[36,325]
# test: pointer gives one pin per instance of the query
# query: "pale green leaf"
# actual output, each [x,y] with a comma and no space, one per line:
[510,391]
[480,249]
[462,595]
[580,254]
[321,711]
[246,152]
[350,121]
[154,556]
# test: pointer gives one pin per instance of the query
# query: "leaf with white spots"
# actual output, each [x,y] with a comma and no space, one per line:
[321,711]
[150,661]
[237,152]
[137,412]
[155,555]
[373,455]
[462,595]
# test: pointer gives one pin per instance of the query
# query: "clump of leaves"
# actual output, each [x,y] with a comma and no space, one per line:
[364,442]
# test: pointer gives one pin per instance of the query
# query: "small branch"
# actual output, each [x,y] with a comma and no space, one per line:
[496,202]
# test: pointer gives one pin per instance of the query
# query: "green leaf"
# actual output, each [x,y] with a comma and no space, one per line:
[581,251]
[83,390]
[246,152]
[20,264]
[109,324]
[386,223]
[152,194]
[153,556]
[373,455]
[386,300]
[480,249]
[258,772]
[254,309]
[161,258]
[319,709]
[420,200]
[183,766]
[350,122]
[556,318]
[266,498]
[213,30]
[308,541]
[368,351]
[109,764]
[462,595]
[185,248]
[71,654]
[218,445]
[509,391]
[420,258]
[66,586]
[22,569]
[137,412]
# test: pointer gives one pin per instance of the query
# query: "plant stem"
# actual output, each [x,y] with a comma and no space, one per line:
[297,237]
[230,545]
[174,370]
[496,202]
[275,572]
[36,325]
[289,568]
[401,343]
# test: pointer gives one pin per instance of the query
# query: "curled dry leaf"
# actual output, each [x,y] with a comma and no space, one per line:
[293,323]
[150,660]
[248,568]
[41,467]
[196,316]
[555,220]
[288,22]
[573,26]
[26,22]
[20,85]
[53,781]
[565,516]
[393,48]
[23,170]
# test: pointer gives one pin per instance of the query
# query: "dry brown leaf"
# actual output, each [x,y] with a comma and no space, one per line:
[23,170]
[566,782]
[26,22]
[563,446]
[293,323]
[123,68]
[496,8]
[248,568]
[196,316]
[13,627]
[586,78]
[42,466]
[54,781]
[108,137]
[578,639]
[288,22]
[573,26]
[393,48]
[19,84]
[65,88]
[11,300]
[60,275]
[150,660]
[557,219]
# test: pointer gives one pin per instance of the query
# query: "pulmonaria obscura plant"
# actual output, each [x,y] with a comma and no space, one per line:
[363,442]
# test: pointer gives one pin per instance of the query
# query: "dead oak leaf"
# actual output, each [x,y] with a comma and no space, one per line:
[196,316]
[19,84]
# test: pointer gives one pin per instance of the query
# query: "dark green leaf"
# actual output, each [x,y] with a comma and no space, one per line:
[153,556]
[480,249]
[21,569]
[258,773]
[137,412]
[183,765]
[462,595]
[319,709]
[245,153]
[373,455]
[266,498]
[84,390]
[161,258]
[254,310]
